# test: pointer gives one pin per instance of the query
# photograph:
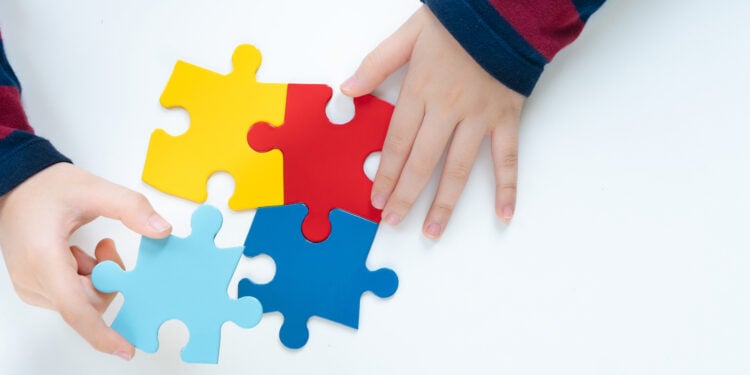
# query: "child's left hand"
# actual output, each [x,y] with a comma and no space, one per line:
[445,94]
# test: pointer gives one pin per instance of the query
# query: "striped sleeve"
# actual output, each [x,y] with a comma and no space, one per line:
[22,153]
[514,39]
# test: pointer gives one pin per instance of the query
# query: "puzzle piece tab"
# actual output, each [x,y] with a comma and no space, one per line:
[324,162]
[222,108]
[184,279]
[325,279]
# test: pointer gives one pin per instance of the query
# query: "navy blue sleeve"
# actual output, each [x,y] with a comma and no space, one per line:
[22,153]
[511,39]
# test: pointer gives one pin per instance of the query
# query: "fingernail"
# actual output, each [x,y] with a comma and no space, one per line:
[349,83]
[507,213]
[378,200]
[433,230]
[124,355]
[392,219]
[158,223]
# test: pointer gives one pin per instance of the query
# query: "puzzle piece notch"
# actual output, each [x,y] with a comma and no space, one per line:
[184,279]
[324,162]
[222,108]
[325,279]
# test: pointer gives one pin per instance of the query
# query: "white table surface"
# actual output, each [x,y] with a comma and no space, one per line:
[629,253]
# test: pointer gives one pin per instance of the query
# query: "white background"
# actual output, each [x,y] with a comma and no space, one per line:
[629,252]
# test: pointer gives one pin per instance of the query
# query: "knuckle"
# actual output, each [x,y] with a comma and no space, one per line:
[99,342]
[452,101]
[458,172]
[138,199]
[71,316]
[415,83]
[501,117]
[508,187]
[453,104]
[419,167]
[444,208]
[412,89]
[511,108]
[510,159]
[400,203]
[397,144]
[493,123]
[385,181]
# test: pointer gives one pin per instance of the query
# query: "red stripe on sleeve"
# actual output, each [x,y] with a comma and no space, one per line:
[12,116]
[548,25]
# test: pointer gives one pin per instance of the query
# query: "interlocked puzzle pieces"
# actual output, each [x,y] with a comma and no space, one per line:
[180,278]
[306,160]
[323,162]
[324,279]
[278,144]
[222,108]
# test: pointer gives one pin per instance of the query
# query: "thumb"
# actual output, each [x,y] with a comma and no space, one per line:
[389,55]
[130,207]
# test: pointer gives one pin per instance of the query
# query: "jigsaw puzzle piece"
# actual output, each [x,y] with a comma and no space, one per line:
[136,325]
[139,327]
[325,279]
[206,350]
[184,279]
[110,277]
[324,162]
[222,108]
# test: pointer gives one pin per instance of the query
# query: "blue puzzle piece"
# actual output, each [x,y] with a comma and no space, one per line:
[324,279]
[184,279]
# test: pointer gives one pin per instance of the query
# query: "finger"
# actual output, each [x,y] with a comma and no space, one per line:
[75,308]
[389,55]
[106,250]
[132,208]
[505,158]
[84,261]
[98,300]
[428,146]
[402,131]
[461,156]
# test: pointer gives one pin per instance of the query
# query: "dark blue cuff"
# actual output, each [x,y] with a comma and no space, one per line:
[22,155]
[491,41]
[7,77]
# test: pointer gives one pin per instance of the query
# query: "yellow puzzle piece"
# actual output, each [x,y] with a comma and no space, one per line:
[222,109]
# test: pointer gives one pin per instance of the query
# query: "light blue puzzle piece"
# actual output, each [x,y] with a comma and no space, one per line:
[184,279]
[324,279]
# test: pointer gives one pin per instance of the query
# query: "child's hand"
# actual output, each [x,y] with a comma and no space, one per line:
[36,220]
[445,93]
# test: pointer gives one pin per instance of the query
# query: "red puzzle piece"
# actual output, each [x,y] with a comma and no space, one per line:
[324,162]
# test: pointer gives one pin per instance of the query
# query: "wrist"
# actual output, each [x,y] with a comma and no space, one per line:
[23,155]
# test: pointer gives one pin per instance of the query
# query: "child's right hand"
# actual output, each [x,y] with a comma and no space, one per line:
[36,221]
